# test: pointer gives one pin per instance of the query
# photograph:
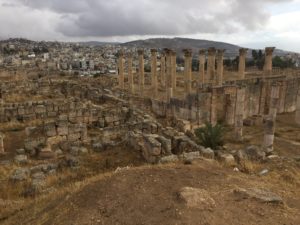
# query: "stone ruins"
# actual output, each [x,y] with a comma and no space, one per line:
[150,112]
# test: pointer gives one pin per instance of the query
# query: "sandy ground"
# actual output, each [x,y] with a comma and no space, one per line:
[149,195]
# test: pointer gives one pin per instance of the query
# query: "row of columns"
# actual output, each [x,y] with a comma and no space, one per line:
[269,125]
[168,68]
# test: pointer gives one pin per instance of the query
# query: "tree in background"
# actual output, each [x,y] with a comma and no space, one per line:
[283,63]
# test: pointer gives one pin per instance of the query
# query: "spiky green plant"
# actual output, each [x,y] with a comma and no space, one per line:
[210,136]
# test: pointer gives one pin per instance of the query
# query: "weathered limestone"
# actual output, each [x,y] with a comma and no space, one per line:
[239,113]
[230,103]
[268,60]
[169,89]
[188,70]
[121,69]
[141,71]
[262,100]
[1,143]
[270,120]
[130,74]
[211,64]
[213,107]
[201,66]
[173,69]
[242,62]
[154,71]
[297,116]
[220,67]
[163,69]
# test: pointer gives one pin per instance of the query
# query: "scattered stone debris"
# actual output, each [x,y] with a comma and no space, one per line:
[226,158]
[196,198]
[22,159]
[263,172]
[252,152]
[261,195]
[169,159]
[20,174]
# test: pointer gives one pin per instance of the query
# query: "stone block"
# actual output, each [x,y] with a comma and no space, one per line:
[50,130]
[74,137]
[166,145]
[40,109]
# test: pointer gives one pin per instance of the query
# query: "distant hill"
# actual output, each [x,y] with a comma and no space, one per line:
[97,43]
[178,44]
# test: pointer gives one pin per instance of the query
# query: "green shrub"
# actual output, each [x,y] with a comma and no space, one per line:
[210,136]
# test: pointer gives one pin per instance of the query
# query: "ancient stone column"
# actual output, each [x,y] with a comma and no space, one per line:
[201,66]
[230,101]
[239,113]
[163,69]
[242,62]
[188,70]
[154,71]
[297,116]
[270,120]
[173,70]
[121,69]
[141,71]
[211,64]
[130,74]
[169,89]
[268,60]
[213,107]
[220,67]
[1,143]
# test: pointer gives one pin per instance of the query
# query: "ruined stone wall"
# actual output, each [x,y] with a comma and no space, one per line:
[42,139]
[76,110]
[198,108]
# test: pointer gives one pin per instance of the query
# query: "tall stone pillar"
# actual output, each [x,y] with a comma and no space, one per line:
[211,64]
[169,89]
[213,107]
[121,69]
[201,66]
[230,98]
[173,70]
[239,113]
[130,74]
[1,143]
[220,67]
[297,116]
[268,60]
[163,69]
[269,125]
[141,71]
[154,71]
[188,70]
[242,62]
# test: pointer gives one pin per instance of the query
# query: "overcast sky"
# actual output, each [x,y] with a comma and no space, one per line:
[249,23]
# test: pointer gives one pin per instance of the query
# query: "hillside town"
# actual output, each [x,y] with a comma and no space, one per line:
[79,58]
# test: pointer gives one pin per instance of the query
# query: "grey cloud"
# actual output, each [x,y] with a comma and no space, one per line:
[107,18]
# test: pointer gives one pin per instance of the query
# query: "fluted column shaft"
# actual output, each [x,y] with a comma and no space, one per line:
[211,64]
[188,70]
[154,71]
[141,71]
[201,67]
[220,67]
[130,74]
[268,60]
[242,63]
